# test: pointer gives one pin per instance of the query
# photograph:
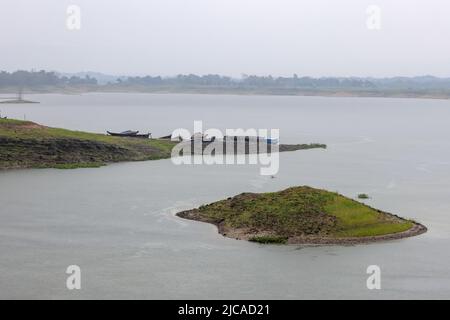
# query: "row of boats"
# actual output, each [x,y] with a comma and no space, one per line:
[195,137]
[247,139]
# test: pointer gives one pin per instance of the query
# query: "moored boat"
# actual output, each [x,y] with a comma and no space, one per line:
[130,134]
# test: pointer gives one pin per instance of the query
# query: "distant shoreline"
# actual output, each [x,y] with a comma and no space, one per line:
[420,87]
[239,92]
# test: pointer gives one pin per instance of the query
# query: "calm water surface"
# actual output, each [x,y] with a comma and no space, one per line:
[118,224]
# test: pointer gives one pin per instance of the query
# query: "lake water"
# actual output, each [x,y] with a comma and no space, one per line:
[118,222]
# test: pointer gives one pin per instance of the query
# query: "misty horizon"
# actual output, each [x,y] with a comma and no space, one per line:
[316,39]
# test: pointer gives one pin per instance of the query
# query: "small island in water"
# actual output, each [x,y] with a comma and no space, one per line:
[302,215]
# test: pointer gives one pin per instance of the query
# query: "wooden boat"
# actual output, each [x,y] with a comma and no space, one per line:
[124,133]
[130,134]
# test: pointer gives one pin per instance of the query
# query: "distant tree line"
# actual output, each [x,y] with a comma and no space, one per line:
[41,78]
[215,80]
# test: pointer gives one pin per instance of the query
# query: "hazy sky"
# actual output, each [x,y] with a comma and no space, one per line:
[230,37]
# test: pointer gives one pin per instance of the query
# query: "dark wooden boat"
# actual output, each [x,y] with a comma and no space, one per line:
[124,133]
[130,134]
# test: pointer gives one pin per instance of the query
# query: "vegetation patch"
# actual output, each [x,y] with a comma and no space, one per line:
[269,239]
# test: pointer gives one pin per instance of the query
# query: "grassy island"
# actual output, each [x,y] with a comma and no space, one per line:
[302,215]
[25,144]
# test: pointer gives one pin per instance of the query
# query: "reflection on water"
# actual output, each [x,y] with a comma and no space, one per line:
[118,222]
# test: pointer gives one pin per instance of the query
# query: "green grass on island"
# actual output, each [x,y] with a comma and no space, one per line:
[25,144]
[297,214]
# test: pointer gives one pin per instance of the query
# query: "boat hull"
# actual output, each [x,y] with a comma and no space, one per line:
[129,135]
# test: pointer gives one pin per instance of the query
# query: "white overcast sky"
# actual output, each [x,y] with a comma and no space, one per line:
[229,37]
